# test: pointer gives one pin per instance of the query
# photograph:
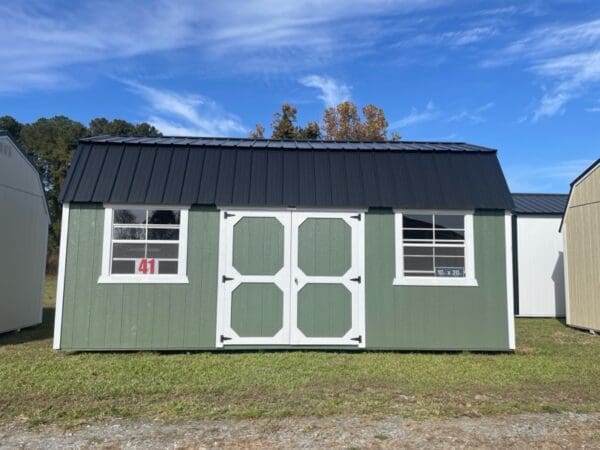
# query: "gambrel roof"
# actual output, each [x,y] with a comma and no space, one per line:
[274,173]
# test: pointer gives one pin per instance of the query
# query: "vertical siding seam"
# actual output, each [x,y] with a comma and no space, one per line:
[122,326]
[90,300]
[75,302]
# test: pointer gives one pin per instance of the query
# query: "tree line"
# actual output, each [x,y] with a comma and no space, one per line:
[343,122]
[51,142]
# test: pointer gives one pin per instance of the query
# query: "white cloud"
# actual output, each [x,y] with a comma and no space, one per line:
[332,91]
[564,56]
[186,115]
[574,73]
[474,116]
[454,39]
[543,178]
[43,39]
[415,116]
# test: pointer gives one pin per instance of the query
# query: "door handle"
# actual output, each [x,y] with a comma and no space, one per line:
[296,280]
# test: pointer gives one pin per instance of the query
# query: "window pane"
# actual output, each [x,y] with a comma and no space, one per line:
[418,263]
[449,235]
[419,274]
[450,261]
[449,221]
[163,217]
[162,234]
[450,251]
[129,233]
[417,234]
[167,267]
[123,266]
[162,251]
[418,251]
[129,250]
[417,221]
[128,216]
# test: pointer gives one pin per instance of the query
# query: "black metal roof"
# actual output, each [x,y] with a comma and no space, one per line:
[273,173]
[546,204]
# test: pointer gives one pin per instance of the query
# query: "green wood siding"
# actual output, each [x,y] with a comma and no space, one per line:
[258,246]
[324,247]
[161,317]
[146,316]
[437,318]
[324,310]
[257,309]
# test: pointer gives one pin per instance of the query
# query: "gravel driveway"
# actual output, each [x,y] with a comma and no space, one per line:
[529,430]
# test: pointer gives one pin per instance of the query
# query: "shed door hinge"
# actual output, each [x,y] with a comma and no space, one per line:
[226,278]
[227,214]
[358,279]
[357,339]
[357,217]
[225,338]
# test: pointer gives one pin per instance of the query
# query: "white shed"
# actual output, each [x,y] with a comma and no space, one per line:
[23,238]
[538,255]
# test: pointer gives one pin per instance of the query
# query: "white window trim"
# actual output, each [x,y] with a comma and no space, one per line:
[107,278]
[469,280]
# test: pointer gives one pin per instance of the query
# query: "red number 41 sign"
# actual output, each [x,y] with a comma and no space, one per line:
[145,266]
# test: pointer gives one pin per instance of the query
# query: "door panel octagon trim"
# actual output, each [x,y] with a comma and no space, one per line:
[230,279]
[352,280]
[328,310]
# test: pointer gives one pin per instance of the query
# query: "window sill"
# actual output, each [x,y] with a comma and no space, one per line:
[143,279]
[431,281]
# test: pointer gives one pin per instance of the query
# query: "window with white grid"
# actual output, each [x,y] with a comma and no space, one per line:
[144,244]
[434,248]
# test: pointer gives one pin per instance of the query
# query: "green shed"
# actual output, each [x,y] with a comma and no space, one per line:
[178,243]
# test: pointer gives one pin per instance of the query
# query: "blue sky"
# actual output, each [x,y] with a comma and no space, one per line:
[522,77]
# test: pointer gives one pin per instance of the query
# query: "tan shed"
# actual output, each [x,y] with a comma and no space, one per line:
[581,231]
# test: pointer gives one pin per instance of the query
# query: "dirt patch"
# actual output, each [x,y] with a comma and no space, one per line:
[527,430]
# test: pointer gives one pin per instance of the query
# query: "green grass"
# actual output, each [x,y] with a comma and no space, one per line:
[554,369]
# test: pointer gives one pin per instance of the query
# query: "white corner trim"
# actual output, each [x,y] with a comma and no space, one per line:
[60,286]
[510,305]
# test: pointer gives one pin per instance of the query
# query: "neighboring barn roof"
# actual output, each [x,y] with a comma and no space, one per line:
[546,204]
[274,173]
[573,183]
[31,162]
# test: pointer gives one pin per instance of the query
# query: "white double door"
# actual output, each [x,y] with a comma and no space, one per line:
[291,278]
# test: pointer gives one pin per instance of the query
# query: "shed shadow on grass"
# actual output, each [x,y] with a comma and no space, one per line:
[39,332]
